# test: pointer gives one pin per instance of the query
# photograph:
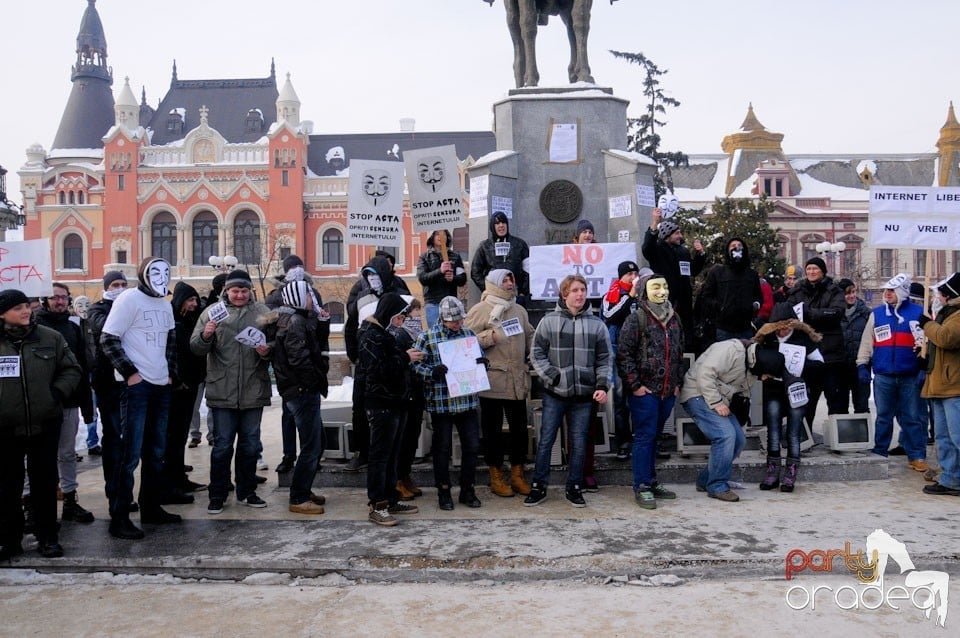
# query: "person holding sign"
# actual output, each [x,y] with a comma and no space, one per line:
[887,346]
[787,396]
[447,410]
[571,355]
[37,372]
[506,337]
[238,388]
[440,271]
[501,250]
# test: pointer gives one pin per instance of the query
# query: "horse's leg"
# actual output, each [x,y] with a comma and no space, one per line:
[528,33]
[580,15]
[572,38]
[513,25]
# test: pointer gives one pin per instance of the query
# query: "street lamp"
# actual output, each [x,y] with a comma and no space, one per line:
[826,249]
[11,215]
[225,263]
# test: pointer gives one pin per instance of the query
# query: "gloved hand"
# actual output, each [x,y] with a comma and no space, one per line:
[483,361]
[439,372]
[923,320]
[555,381]
[863,373]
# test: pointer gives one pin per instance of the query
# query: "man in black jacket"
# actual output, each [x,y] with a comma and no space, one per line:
[731,292]
[663,248]
[501,250]
[300,365]
[55,314]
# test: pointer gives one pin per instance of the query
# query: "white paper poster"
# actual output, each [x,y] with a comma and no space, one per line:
[915,217]
[646,196]
[596,262]
[502,205]
[25,266]
[563,143]
[464,374]
[793,358]
[479,188]
[217,312]
[620,206]
[433,183]
[375,203]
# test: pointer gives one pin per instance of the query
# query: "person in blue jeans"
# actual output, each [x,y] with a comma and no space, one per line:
[941,388]
[238,388]
[724,369]
[650,359]
[571,355]
[139,339]
[888,348]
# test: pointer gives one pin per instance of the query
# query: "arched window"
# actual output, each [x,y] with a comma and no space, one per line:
[80,197]
[205,239]
[163,237]
[72,198]
[332,243]
[246,238]
[335,308]
[63,197]
[73,252]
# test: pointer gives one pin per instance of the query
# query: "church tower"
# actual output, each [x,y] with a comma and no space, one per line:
[89,112]
[948,147]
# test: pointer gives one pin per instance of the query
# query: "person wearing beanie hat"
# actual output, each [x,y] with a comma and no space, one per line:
[852,324]
[385,369]
[940,386]
[502,250]
[784,395]
[671,258]
[650,359]
[618,304]
[789,281]
[290,261]
[138,329]
[30,416]
[440,271]
[724,370]
[823,306]
[584,233]
[446,410]
[111,276]
[506,335]
[300,365]
[889,348]
[293,270]
[237,389]
[55,314]
[574,373]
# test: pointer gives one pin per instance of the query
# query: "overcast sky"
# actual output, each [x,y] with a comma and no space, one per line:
[850,76]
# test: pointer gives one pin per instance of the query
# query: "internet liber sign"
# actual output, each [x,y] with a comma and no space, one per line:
[915,217]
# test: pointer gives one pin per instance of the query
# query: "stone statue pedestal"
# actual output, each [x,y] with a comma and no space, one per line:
[560,158]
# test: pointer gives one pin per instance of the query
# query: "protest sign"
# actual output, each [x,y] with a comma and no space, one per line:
[25,266]
[433,184]
[464,374]
[596,262]
[375,203]
[915,217]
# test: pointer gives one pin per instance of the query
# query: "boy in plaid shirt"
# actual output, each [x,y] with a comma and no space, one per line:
[446,411]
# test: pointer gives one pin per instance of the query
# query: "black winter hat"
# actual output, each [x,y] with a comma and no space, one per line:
[112,276]
[237,278]
[819,263]
[291,261]
[10,299]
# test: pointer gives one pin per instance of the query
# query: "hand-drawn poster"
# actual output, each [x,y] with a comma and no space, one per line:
[464,374]
[25,266]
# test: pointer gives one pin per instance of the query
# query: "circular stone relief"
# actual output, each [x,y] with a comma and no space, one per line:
[202,193]
[244,193]
[561,201]
[161,196]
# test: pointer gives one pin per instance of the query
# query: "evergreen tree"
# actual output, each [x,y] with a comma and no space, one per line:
[642,132]
[743,218]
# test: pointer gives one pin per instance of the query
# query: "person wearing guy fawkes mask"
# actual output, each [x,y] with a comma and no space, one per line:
[731,292]
[139,339]
[376,279]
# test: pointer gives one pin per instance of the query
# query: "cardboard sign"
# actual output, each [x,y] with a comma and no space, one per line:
[25,266]
[433,182]
[375,203]
[596,262]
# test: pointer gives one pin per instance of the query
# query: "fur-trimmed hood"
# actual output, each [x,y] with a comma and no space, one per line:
[794,324]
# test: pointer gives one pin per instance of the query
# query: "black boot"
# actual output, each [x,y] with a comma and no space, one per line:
[287,464]
[29,523]
[445,499]
[469,497]
[72,511]
[122,527]
[789,475]
[772,479]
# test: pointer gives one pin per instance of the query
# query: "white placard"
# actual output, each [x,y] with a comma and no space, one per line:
[563,143]
[620,207]
[798,310]
[915,217]
[9,367]
[623,235]
[797,394]
[464,374]
[479,189]
[252,337]
[25,266]
[511,327]
[646,195]
[217,312]
[501,248]
[596,262]
[433,184]
[502,205]
[684,268]
[793,358]
[881,333]
[375,203]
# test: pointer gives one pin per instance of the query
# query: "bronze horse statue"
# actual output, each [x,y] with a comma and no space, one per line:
[523,16]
